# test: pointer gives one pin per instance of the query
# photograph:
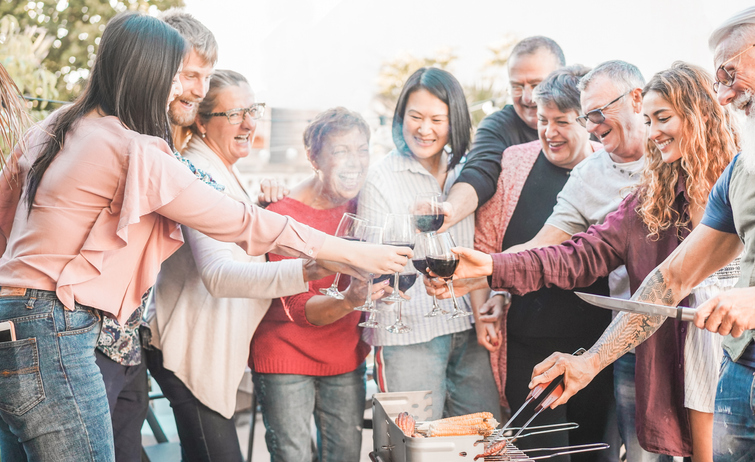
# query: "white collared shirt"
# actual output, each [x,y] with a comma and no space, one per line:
[391,186]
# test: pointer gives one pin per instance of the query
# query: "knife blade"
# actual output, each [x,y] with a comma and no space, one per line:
[681,313]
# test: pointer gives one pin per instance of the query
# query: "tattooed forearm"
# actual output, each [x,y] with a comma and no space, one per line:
[629,330]
[654,290]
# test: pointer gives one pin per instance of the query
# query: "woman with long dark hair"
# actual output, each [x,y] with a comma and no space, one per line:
[431,130]
[87,214]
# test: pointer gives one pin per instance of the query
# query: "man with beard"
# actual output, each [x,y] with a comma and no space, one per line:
[531,60]
[195,75]
[728,223]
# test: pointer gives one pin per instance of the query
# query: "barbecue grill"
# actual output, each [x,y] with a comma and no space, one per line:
[391,445]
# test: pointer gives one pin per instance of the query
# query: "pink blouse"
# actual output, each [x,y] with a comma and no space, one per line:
[106,216]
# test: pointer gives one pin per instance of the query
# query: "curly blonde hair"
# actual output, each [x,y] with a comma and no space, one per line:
[708,143]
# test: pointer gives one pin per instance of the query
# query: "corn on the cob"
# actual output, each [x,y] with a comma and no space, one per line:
[450,429]
[406,423]
[468,419]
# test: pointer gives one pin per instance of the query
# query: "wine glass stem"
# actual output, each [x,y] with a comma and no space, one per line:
[395,284]
[335,281]
[398,317]
[368,300]
[453,296]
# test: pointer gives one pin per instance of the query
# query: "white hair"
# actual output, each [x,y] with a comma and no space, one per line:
[739,27]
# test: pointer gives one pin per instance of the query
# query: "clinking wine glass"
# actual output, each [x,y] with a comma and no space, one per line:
[443,262]
[406,280]
[398,231]
[373,235]
[420,263]
[351,228]
[427,212]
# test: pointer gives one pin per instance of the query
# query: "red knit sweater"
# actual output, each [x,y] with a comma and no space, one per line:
[285,342]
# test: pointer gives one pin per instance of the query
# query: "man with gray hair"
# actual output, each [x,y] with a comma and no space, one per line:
[531,60]
[728,223]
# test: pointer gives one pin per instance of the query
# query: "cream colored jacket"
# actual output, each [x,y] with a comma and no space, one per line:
[209,298]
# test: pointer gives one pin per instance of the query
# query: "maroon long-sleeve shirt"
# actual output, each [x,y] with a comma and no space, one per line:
[662,421]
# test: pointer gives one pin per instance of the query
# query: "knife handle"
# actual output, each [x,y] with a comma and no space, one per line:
[685,314]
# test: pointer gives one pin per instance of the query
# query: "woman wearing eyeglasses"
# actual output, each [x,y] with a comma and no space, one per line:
[691,141]
[211,296]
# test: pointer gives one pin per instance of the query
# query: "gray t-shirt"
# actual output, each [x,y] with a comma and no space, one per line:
[595,188]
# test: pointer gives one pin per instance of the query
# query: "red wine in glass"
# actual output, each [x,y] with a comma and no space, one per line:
[428,223]
[406,281]
[420,265]
[442,267]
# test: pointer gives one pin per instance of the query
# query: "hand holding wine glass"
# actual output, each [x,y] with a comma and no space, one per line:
[373,235]
[420,263]
[351,228]
[427,212]
[443,262]
[398,231]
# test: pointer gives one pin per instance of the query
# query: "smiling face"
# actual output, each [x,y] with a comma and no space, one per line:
[195,80]
[742,92]
[525,72]
[623,133]
[426,124]
[565,141]
[666,126]
[341,165]
[230,142]
[175,90]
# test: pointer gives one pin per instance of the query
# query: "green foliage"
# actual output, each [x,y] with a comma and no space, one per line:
[394,73]
[488,93]
[22,54]
[74,28]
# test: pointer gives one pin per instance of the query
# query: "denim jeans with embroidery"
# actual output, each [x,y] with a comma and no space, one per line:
[734,418]
[288,402]
[53,404]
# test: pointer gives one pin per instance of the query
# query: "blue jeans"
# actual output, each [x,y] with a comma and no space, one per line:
[623,386]
[734,418]
[53,404]
[454,367]
[288,402]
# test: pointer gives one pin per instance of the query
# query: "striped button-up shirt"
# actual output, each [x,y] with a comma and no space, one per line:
[391,186]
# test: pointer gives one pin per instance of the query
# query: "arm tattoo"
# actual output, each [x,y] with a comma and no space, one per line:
[628,329]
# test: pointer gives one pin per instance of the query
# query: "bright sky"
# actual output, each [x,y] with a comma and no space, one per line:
[315,54]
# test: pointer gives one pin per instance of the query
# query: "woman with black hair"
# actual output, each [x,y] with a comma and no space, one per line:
[88,212]
[431,130]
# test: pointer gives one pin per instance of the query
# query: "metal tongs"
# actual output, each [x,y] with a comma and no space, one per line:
[513,453]
[556,389]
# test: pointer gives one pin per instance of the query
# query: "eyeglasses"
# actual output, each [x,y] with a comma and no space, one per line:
[236,116]
[596,116]
[723,77]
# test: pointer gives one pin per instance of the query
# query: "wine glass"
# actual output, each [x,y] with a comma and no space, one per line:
[406,280]
[373,235]
[399,231]
[443,262]
[351,228]
[420,263]
[427,211]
